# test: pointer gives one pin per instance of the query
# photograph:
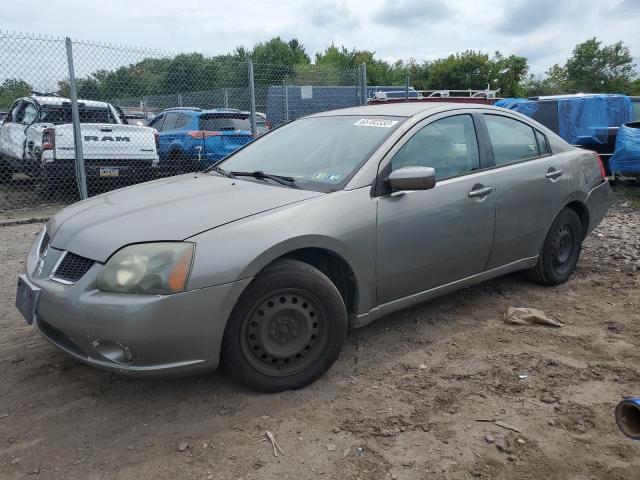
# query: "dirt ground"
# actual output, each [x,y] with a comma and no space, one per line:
[417,395]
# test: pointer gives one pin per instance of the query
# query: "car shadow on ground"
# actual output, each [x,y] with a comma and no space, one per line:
[388,337]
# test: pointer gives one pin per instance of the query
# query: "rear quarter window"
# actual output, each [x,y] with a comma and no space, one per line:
[543,143]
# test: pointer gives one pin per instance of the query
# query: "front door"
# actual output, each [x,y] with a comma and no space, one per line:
[13,136]
[434,237]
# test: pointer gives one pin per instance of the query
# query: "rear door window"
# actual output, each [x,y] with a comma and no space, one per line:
[182,122]
[157,122]
[448,145]
[512,140]
[170,121]
[215,122]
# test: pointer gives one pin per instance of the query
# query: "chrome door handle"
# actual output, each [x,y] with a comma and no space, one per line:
[553,174]
[480,192]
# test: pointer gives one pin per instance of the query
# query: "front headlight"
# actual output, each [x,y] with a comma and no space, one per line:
[149,268]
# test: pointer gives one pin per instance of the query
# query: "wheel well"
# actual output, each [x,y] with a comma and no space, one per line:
[583,213]
[175,153]
[334,267]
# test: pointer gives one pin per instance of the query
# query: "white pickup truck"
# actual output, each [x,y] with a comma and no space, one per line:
[36,138]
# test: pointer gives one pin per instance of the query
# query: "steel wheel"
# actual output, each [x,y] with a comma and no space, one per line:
[284,333]
[562,249]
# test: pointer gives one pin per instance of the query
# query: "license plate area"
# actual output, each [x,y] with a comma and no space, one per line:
[109,171]
[27,298]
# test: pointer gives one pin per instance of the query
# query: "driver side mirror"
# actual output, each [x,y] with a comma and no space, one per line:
[412,178]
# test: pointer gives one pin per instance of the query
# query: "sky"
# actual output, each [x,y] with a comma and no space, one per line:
[544,31]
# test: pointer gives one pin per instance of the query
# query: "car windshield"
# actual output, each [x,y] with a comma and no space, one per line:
[59,114]
[225,121]
[319,153]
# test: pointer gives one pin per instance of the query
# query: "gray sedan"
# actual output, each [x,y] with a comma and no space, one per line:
[262,263]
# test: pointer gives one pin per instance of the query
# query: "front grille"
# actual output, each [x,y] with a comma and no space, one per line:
[44,244]
[72,267]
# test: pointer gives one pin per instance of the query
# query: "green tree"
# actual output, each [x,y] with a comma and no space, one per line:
[594,67]
[379,72]
[466,70]
[598,68]
[278,52]
[508,74]
[12,89]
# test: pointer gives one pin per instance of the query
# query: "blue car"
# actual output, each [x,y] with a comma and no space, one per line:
[192,138]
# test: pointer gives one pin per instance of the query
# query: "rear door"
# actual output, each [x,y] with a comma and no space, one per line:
[531,187]
[430,238]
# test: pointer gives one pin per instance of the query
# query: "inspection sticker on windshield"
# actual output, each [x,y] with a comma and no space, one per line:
[375,122]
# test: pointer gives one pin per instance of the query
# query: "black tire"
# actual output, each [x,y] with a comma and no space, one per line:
[286,330]
[560,251]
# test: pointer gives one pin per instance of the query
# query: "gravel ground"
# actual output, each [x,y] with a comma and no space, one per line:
[438,391]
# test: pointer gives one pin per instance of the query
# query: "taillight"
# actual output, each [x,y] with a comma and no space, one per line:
[48,139]
[156,137]
[203,134]
[268,125]
[603,172]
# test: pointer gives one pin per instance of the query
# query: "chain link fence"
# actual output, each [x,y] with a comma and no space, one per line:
[81,118]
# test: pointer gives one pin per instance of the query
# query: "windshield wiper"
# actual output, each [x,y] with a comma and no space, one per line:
[259,174]
[222,172]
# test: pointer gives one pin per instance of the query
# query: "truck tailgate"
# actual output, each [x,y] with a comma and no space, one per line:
[107,141]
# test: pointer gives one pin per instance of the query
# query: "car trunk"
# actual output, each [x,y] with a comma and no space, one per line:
[224,133]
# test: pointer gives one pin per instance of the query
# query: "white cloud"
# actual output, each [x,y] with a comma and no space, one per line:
[545,31]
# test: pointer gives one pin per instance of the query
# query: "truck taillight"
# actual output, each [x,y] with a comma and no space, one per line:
[48,139]
[156,137]
[603,172]
[200,134]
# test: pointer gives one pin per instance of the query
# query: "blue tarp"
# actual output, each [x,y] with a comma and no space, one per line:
[626,157]
[522,105]
[582,120]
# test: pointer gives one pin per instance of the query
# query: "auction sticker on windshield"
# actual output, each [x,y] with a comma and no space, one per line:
[375,122]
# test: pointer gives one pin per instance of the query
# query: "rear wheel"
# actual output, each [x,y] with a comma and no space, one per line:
[561,250]
[286,330]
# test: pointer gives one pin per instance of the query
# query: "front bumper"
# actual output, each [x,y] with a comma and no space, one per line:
[140,335]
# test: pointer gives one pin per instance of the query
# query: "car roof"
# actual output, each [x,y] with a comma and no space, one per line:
[45,100]
[408,109]
[200,111]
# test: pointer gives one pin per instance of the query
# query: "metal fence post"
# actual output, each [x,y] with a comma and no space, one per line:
[286,103]
[252,93]
[363,84]
[406,89]
[226,97]
[81,175]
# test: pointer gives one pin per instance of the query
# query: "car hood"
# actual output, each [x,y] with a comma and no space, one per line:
[173,208]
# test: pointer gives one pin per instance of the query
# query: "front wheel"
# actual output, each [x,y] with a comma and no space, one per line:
[561,250]
[286,330]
